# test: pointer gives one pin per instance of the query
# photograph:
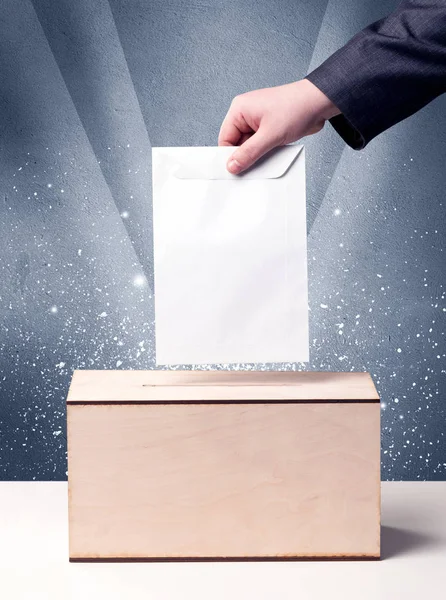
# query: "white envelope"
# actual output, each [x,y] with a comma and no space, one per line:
[230,254]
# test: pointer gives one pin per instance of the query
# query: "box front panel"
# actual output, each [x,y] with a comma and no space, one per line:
[230,480]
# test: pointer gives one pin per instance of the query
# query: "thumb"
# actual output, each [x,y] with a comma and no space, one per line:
[250,151]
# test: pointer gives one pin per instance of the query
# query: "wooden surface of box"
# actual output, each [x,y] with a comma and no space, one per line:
[223,464]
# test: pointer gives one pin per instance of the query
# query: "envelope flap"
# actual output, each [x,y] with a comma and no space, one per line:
[210,163]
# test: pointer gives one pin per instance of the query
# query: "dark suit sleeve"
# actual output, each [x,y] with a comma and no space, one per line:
[386,72]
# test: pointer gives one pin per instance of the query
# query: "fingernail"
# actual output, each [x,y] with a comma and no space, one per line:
[234,166]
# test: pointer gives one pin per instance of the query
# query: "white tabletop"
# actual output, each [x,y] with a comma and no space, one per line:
[34,558]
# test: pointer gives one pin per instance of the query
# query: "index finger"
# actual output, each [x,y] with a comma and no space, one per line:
[229,134]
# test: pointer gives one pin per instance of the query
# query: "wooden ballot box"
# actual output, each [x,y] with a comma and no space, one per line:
[223,464]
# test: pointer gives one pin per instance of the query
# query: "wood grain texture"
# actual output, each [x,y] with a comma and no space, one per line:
[184,386]
[233,480]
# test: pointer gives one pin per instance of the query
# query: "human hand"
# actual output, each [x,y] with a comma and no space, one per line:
[261,120]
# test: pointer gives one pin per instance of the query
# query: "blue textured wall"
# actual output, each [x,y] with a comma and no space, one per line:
[85,89]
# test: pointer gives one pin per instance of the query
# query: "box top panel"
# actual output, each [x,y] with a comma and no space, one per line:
[219,386]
